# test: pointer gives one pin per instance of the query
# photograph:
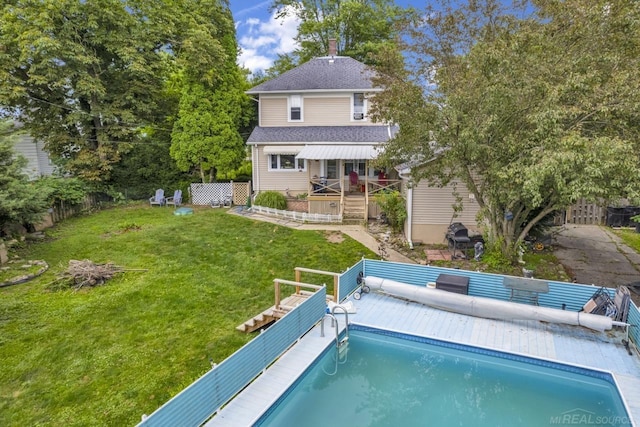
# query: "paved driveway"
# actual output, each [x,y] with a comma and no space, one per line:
[594,255]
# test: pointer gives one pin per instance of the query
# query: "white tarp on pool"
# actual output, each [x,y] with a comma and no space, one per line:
[486,307]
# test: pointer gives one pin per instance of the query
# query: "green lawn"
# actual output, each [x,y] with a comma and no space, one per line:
[107,355]
[628,236]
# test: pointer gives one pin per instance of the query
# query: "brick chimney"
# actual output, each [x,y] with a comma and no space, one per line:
[333,50]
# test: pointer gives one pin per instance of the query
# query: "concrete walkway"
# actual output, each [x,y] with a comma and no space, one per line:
[595,255]
[356,232]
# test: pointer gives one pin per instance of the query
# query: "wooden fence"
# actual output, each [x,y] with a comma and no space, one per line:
[61,211]
[584,212]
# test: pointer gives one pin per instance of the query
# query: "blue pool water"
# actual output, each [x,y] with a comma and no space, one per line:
[389,379]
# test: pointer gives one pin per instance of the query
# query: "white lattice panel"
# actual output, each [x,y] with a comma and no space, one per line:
[204,194]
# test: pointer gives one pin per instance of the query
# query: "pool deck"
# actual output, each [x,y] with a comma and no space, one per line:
[570,344]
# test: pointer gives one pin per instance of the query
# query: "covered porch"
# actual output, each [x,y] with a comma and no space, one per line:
[345,177]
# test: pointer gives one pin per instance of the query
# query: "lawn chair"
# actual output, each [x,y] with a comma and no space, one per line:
[622,300]
[222,202]
[602,304]
[158,199]
[176,200]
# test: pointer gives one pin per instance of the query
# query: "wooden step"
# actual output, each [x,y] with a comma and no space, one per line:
[257,322]
[272,314]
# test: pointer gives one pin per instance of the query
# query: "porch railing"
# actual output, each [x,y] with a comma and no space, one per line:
[384,185]
[323,186]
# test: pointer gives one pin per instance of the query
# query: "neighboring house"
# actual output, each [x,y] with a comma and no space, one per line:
[38,161]
[315,138]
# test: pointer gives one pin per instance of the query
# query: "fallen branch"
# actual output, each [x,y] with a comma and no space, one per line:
[87,273]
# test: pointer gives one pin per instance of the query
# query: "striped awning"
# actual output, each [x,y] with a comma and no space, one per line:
[339,152]
[282,149]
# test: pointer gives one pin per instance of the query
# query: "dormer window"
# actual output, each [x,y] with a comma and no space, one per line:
[358,106]
[295,108]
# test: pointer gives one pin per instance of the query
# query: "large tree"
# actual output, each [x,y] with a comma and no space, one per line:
[84,76]
[361,28]
[213,108]
[530,114]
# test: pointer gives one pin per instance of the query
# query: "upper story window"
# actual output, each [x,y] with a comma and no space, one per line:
[359,106]
[286,162]
[295,108]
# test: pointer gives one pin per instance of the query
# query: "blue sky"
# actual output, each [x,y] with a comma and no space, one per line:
[261,37]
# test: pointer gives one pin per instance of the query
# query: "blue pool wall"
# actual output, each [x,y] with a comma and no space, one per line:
[573,295]
[203,398]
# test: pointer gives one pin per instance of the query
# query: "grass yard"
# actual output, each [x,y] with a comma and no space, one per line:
[628,236]
[107,355]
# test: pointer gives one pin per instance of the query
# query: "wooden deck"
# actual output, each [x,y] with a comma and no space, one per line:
[273,313]
[283,306]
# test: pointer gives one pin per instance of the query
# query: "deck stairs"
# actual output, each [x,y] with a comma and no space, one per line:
[272,314]
[354,208]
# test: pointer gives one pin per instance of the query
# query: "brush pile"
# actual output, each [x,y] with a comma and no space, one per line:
[87,273]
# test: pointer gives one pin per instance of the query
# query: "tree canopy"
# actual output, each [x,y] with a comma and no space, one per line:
[212,110]
[360,28]
[531,113]
[86,76]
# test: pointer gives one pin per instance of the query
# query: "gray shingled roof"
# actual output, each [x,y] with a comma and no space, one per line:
[368,134]
[325,73]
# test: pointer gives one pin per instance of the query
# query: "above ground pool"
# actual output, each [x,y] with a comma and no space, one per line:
[382,378]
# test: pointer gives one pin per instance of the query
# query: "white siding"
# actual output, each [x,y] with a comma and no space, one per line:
[44,161]
[37,159]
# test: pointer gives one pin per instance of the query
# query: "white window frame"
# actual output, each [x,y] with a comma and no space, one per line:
[301,164]
[291,101]
[355,165]
[364,107]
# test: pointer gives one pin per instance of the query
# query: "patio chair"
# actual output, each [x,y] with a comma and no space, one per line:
[601,303]
[622,300]
[353,181]
[158,199]
[176,200]
[222,201]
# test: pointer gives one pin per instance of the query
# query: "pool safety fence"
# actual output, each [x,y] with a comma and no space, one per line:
[348,281]
[561,295]
[203,398]
[297,216]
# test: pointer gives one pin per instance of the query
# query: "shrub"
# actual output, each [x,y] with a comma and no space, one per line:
[393,205]
[271,199]
[65,190]
[494,257]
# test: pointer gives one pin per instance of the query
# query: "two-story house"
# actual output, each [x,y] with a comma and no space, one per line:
[314,137]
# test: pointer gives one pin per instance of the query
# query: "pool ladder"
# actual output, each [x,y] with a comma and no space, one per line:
[340,343]
[340,358]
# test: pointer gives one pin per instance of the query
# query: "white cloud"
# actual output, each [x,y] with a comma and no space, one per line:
[251,60]
[262,40]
